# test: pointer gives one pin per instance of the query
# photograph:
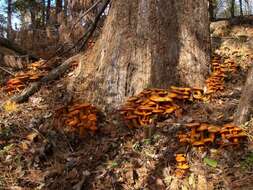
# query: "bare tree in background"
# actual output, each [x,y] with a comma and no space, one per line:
[9,17]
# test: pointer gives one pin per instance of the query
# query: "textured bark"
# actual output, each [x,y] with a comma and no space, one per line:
[58,6]
[148,44]
[48,10]
[244,110]
[232,8]
[241,11]
[9,15]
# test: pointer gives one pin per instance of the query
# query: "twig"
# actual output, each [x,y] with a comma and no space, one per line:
[94,25]
[7,71]
[85,13]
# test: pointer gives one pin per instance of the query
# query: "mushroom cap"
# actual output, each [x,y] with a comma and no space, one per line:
[183,166]
[130,117]
[213,129]
[132,99]
[156,98]
[180,92]
[180,158]
[229,126]
[180,88]
[208,140]
[170,110]
[145,107]
[158,111]
[240,135]
[236,129]
[203,127]
[172,95]
[224,131]
[192,125]
[198,143]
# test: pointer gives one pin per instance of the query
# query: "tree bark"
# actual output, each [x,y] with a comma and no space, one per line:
[241,11]
[211,9]
[58,6]
[232,8]
[148,44]
[244,110]
[48,11]
[9,16]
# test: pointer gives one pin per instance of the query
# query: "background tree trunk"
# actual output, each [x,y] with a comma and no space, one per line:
[9,15]
[241,11]
[232,8]
[211,9]
[148,44]
[244,110]
[48,10]
[58,6]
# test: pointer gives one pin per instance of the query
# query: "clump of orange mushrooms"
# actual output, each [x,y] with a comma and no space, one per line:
[215,83]
[19,81]
[203,134]
[141,110]
[80,117]
[182,165]
[35,72]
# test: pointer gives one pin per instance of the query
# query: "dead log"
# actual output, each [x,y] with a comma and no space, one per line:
[52,75]
[16,48]
[244,109]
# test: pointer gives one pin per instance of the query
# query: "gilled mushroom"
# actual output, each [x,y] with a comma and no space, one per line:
[224,132]
[79,106]
[203,127]
[198,143]
[192,127]
[235,138]
[213,130]
[183,166]
[208,140]
[73,113]
[160,99]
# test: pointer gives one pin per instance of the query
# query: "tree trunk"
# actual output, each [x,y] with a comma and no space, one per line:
[65,8]
[9,15]
[244,110]
[48,10]
[211,9]
[232,8]
[43,2]
[14,47]
[148,44]
[241,11]
[58,6]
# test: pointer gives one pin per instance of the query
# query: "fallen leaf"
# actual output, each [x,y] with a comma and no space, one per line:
[210,162]
[32,136]
[10,106]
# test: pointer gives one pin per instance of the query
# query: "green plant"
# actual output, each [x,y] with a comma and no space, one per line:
[247,163]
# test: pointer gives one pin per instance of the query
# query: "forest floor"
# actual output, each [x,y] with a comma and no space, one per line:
[35,153]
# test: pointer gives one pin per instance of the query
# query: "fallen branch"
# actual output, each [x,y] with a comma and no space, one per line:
[7,71]
[52,75]
[12,46]
[93,27]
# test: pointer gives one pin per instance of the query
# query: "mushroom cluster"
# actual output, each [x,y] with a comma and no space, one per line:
[79,117]
[231,135]
[215,82]
[182,165]
[38,65]
[202,134]
[142,109]
[18,82]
